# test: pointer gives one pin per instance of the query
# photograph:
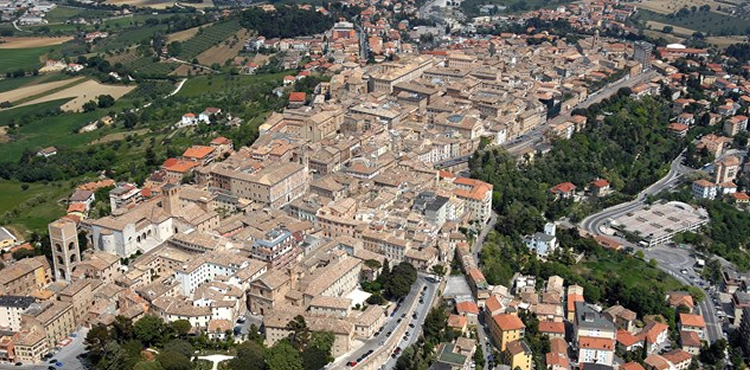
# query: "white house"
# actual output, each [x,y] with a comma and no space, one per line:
[205,116]
[543,243]
[704,189]
[188,119]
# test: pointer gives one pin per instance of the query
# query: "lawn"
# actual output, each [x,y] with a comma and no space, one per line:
[197,86]
[27,59]
[709,23]
[36,206]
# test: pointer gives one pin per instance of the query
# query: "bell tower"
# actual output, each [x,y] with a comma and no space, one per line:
[63,235]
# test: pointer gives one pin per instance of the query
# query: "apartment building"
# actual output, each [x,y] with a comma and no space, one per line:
[273,186]
[11,308]
[25,276]
[506,328]
[56,319]
[392,73]
[595,336]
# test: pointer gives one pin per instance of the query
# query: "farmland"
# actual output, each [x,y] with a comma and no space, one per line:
[34,207]
[32,42]
[32,91]
[82,93]
[14,59]
[710,23]
[9,84]
[61,14]
[198,86]
[208,38]
[228,49]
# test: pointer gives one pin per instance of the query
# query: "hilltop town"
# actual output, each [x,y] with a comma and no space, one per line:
[389,185]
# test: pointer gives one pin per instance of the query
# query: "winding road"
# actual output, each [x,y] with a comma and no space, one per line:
[676,262]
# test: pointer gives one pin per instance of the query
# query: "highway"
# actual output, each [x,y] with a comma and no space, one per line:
[535,136]
[671,260]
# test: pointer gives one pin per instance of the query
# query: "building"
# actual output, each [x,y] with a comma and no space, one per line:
[11,308]
[704,189]
[56,319]
[595,336]
[519,355]
[543,243]
[694,323]
[506,328]
[63,235]
[273,186]
[25,277]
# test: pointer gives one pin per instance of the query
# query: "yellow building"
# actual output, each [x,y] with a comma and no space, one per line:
[25,276]
[505,329]
[519,355]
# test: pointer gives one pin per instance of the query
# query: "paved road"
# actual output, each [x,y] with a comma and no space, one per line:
[594,223]
[536,135]
[678,263]
[671,260]
[421,309]
[476,249]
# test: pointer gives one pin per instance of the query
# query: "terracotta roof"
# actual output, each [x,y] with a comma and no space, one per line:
[651,331]
[600,183]
[197,151]
[493,304]
[565,187]
[626,338]
[551,327]
[677,356]
[297,97]
[456,321]
[631,366]
[508,322]
[677,299]
[692,320]
[467,307]
[221,140]
[596,343]
[690,339]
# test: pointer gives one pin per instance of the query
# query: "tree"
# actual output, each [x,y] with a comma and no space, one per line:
[96,341]
[180,346]
[667,29]
[283,356]
[148,329]
[105,101]
[249,357]
[122,329]
[399,284]
[301,335]
[174,48]
[180,327]
[89,106]
[314,358]
[171,360]
[438,270]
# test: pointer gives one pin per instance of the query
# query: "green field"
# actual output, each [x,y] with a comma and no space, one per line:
[45,206]
[207,38]
[62,14]
[46,131]
[709,23]
[197,86]
[26,59]
[9,84]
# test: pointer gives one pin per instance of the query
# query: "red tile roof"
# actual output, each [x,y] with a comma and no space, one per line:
[692,320]
[552,327]
[297,97]
[565,187]
[467,307]
[197,152]
[596,343]
[508,322]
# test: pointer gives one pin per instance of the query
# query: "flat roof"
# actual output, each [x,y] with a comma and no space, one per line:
[661,219]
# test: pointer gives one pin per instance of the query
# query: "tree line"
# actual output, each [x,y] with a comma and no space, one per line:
[285,22]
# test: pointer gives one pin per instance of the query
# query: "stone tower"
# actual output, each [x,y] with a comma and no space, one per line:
[66,253]
[170,201]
